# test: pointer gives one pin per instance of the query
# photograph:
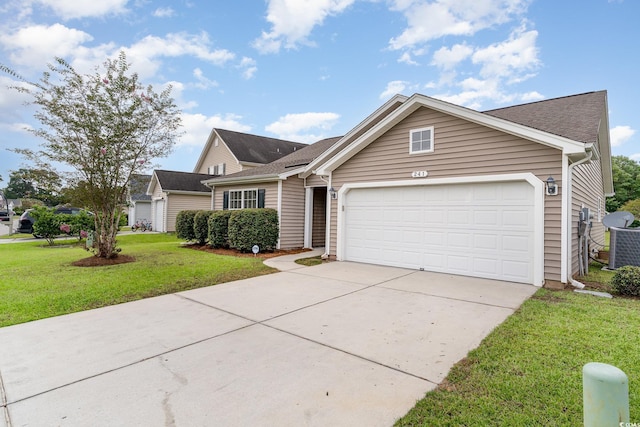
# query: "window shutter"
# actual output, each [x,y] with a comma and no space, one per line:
[225,200]
[261,198]
[223,168]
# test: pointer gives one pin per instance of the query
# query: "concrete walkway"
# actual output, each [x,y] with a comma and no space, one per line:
[338,344]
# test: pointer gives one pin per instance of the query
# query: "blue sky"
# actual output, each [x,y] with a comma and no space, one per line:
[308,69]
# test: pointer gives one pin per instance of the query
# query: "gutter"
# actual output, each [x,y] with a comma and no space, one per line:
[569,228]
[240,180]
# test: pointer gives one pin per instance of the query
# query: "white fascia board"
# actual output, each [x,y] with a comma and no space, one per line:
[188,193]
[310,169]
[292,172]
[152,184]
[567,146]
[240,180]
[205,150]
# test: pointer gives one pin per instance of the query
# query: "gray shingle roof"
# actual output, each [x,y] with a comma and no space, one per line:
[182,181]
[299,158]
[255,148]
[576,117]
[138,188]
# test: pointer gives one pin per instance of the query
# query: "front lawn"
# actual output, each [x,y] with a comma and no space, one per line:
[528,371]
[38,281]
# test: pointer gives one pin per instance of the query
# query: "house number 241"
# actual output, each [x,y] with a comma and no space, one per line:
[419,174]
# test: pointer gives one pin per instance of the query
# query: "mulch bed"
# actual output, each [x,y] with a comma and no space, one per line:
[235,252]
[94,261]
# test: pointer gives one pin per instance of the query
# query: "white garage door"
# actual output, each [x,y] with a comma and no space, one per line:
[158,220]
[482,229]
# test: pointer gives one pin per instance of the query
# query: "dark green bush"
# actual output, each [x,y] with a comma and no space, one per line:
[626,281]
[47,223]
[248,227]
[184,225]
[201,226]
[219,229]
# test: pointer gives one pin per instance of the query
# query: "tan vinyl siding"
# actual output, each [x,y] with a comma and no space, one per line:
[292,214]
[270,194]
[157,192]
[217,155]
[315,181]
[588,191]
[461,148]
[180,202]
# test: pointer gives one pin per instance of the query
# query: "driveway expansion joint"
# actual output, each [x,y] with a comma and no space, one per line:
[449,298]
[3,403]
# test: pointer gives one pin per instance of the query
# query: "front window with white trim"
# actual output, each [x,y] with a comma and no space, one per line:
[243,199]
[421,140]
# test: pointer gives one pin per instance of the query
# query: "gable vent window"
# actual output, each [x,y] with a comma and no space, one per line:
[218,169]
[421,140]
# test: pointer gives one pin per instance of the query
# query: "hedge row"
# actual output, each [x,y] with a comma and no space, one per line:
[237,229]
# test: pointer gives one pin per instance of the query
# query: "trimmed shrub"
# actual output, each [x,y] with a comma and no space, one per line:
[184,225]
[248,227]
[46,223]
[219,229]
[626,281]
[201,226]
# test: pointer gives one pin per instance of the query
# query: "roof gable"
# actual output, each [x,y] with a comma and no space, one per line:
[568,146]
[138,185]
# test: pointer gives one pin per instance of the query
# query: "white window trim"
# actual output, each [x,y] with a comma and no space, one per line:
[242,199]
[431,149]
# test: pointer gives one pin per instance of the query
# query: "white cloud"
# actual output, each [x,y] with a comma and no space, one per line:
[164,12]
[303,126]
[394,87]
[406,58]
[430,20]
[511,57]
[36,45]
[70,9]
[635,157]
[620,135]
[531,96]
[447,58]
[197,127]
[248,67]
[292,21]
[203,82]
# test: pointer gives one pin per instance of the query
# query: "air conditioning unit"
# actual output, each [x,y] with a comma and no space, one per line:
[624,247]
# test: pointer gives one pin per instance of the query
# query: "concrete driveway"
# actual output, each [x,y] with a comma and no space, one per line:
[335,344]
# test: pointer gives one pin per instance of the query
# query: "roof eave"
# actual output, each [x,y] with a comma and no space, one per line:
[240,180]
[310,169]
[417,101]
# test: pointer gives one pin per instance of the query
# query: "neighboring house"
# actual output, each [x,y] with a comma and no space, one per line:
[139,201]
[225,152]
[425,184]
[172,192]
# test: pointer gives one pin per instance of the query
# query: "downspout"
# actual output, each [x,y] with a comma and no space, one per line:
[570,220]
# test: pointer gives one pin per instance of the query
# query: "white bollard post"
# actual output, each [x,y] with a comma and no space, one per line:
[605,395]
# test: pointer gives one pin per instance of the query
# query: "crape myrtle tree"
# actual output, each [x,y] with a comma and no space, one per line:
[106,127]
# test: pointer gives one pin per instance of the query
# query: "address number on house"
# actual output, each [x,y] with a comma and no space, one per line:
[419,174]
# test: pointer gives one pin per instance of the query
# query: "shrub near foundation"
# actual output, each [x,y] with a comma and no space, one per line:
[219,229]
[184,225]
[626,281]
[201,226]
[249,227]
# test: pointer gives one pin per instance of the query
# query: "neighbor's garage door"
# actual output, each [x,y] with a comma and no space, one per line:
[480,229]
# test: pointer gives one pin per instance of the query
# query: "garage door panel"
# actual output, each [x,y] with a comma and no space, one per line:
[483,230]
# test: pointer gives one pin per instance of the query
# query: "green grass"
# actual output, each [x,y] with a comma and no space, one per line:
[309,262]
[528,371]
[38,281]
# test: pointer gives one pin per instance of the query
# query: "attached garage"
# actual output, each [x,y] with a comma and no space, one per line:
[482,229]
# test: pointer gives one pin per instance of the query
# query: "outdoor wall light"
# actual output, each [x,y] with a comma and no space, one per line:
[552,187]
[334,193]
